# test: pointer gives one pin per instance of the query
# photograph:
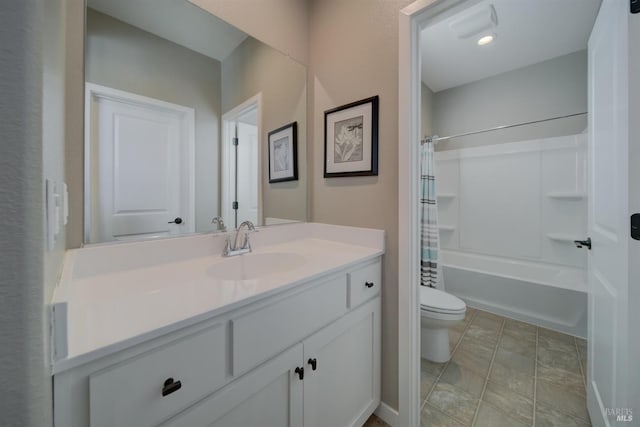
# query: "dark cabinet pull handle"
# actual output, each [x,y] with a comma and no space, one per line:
[170,386]
[314,363]
[300,372]
[369,284]
[178,220]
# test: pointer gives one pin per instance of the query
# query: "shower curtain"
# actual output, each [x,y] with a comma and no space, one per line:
[430,270]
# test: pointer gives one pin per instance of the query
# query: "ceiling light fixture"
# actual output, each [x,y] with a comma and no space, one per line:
[483,41]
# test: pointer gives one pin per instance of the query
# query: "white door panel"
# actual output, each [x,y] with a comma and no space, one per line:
[240,164]
[143,144]
[138,177]
[608,363]
[141,170]
[345,386]
[247,173]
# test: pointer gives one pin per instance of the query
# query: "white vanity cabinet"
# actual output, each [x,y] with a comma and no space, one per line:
[286,391]
[309,356]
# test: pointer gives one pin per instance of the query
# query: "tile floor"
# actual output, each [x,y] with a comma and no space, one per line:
[504,373]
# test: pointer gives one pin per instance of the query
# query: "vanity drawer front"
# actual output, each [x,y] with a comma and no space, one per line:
[364,283]
[131,393]
[264,333]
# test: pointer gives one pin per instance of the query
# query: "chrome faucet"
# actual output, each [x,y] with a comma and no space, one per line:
[233,250]
[219,223]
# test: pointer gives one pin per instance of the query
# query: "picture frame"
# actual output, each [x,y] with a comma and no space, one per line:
[283,153]
[351,139]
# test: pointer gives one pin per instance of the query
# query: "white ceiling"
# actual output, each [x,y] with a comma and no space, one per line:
[528,32]
[176,20]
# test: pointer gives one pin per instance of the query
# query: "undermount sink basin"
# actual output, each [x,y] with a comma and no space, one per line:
[251,265]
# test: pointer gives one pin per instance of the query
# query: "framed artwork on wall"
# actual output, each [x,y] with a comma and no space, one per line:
[283,153]
[351,139]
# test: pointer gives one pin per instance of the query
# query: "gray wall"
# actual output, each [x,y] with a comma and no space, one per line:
[74,120]
[548,89]
[282,24]
[124,57]
[353,54]
[426,111]
[26,394]
[255,67]
[53,120]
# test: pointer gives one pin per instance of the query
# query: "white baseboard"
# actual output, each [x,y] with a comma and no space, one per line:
[387,414]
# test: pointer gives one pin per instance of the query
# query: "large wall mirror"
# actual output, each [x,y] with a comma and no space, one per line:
[178,108]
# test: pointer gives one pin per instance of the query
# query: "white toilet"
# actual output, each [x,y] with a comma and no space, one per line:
[438,312]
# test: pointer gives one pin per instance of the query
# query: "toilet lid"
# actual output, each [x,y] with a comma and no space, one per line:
[435,300]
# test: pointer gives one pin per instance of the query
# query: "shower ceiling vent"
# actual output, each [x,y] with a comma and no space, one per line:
[476,22]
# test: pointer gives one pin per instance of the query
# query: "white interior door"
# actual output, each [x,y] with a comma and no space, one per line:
[140,171]
[609,196]
[247,190]
[240,195]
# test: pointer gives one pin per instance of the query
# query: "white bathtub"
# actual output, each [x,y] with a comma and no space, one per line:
[547,295]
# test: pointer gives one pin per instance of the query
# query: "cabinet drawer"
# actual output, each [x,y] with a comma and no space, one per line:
[130,394]
[364,283]
[265,332]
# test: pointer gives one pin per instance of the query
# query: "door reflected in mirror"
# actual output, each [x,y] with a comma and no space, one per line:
[170,88]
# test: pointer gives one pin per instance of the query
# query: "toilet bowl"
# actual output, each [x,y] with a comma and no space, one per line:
[438,312]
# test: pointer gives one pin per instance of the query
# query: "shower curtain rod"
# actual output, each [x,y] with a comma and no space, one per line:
[444,138]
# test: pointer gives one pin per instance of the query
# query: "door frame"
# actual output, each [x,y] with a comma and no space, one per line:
[225,151]
[94,93]
[412,19]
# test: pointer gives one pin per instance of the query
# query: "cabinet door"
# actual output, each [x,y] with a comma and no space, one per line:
[344,388]
[268,396]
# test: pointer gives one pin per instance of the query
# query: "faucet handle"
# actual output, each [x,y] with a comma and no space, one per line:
[227,245]
[219,222]
[246,244]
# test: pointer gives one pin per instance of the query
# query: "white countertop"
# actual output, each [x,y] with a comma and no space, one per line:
[112,297]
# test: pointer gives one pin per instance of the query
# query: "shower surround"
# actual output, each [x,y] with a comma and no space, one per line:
[509,214]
